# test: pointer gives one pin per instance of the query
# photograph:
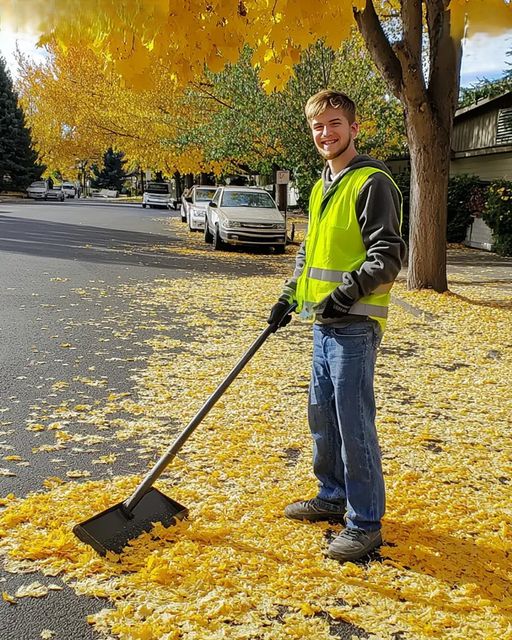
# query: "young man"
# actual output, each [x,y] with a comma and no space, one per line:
[344,272]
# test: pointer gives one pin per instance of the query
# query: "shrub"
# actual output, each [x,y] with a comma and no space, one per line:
[462,192]
[498,215]
[464,200]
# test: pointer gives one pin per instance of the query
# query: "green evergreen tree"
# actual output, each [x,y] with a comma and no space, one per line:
[18,160]
[112,175]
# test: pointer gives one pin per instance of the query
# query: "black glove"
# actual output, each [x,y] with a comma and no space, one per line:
[337,305]
[280,314]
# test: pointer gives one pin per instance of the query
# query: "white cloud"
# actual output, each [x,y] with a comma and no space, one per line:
[25,42]
[485,57]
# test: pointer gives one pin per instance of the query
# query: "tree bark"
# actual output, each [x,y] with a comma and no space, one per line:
[430,164]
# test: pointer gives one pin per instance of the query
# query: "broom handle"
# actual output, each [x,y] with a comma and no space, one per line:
[170,454]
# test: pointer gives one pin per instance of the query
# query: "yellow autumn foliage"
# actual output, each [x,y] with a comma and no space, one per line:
[184,35]
[77,107]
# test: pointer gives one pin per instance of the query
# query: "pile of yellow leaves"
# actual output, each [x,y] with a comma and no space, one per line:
[237,568]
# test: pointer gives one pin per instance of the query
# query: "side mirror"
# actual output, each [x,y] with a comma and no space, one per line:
[213,205]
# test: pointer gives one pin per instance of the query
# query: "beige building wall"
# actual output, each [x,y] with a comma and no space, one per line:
[497,166]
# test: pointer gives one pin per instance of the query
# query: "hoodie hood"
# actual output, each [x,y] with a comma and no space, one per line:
[357,162]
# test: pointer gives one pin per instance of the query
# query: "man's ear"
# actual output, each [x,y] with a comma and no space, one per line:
[354,127]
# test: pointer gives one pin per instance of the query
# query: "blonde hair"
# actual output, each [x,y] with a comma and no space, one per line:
[326,98]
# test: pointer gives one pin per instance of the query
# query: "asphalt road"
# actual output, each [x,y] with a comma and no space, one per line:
[49,254]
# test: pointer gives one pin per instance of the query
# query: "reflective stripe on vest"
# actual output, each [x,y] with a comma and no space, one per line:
[332,275]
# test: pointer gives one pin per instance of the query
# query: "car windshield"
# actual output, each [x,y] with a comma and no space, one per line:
[37,184]
[157,188]
[255,199]
[204,195]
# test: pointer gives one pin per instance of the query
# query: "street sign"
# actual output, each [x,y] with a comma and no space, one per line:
[282,177]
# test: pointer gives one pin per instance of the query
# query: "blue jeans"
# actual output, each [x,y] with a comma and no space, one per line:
[346,454]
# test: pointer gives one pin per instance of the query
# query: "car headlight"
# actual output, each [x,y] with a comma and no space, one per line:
[231,224]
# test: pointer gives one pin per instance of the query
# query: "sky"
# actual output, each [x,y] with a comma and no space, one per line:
[484,56]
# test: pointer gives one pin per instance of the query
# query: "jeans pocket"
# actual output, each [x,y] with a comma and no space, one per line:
[350,331]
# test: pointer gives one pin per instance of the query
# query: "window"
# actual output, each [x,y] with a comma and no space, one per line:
[255,199]
[504,128]
[157,187]
[204,195]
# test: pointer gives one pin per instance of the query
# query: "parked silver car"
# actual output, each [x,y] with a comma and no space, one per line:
[244,215]
[38,190]
[194,205]
[56,193]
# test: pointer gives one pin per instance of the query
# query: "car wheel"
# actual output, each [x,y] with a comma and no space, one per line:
[279,248]
[143,205]
[218,243]
[208,238]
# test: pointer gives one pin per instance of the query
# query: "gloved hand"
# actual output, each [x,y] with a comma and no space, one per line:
[337,305]
[278,313]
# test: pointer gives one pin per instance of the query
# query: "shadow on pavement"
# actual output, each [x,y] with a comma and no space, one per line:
[102,245]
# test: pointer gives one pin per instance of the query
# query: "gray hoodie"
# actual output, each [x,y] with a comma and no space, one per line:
[378,213]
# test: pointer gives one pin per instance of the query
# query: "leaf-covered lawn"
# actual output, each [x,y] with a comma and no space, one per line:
[237,568]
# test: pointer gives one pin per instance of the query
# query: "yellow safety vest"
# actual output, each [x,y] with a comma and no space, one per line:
[334,245]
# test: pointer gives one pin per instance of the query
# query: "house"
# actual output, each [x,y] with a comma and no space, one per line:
[482,146]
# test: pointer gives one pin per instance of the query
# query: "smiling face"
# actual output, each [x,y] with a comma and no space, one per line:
[334,136]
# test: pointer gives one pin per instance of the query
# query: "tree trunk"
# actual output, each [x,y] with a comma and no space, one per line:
[430,164]
[429,97]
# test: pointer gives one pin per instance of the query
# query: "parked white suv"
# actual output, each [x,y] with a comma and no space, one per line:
[158,194]
[69,189]
[38,190]
[244,215]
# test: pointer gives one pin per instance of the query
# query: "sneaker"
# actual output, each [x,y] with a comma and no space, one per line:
[352,544]
[315,510]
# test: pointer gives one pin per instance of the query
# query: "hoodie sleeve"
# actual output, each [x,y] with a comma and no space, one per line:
[378,210]
[290,285]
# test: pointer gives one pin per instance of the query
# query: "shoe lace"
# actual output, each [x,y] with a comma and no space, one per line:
[353,533]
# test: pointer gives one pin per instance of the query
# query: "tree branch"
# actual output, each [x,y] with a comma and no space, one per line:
[445,61]
[116,133]
[209,94]
[379,48]
[412,27]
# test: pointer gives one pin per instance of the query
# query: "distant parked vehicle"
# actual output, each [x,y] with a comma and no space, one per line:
[244,215]
[194,205]
[56,193]
[38,190]
[69,190]
[159,194]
